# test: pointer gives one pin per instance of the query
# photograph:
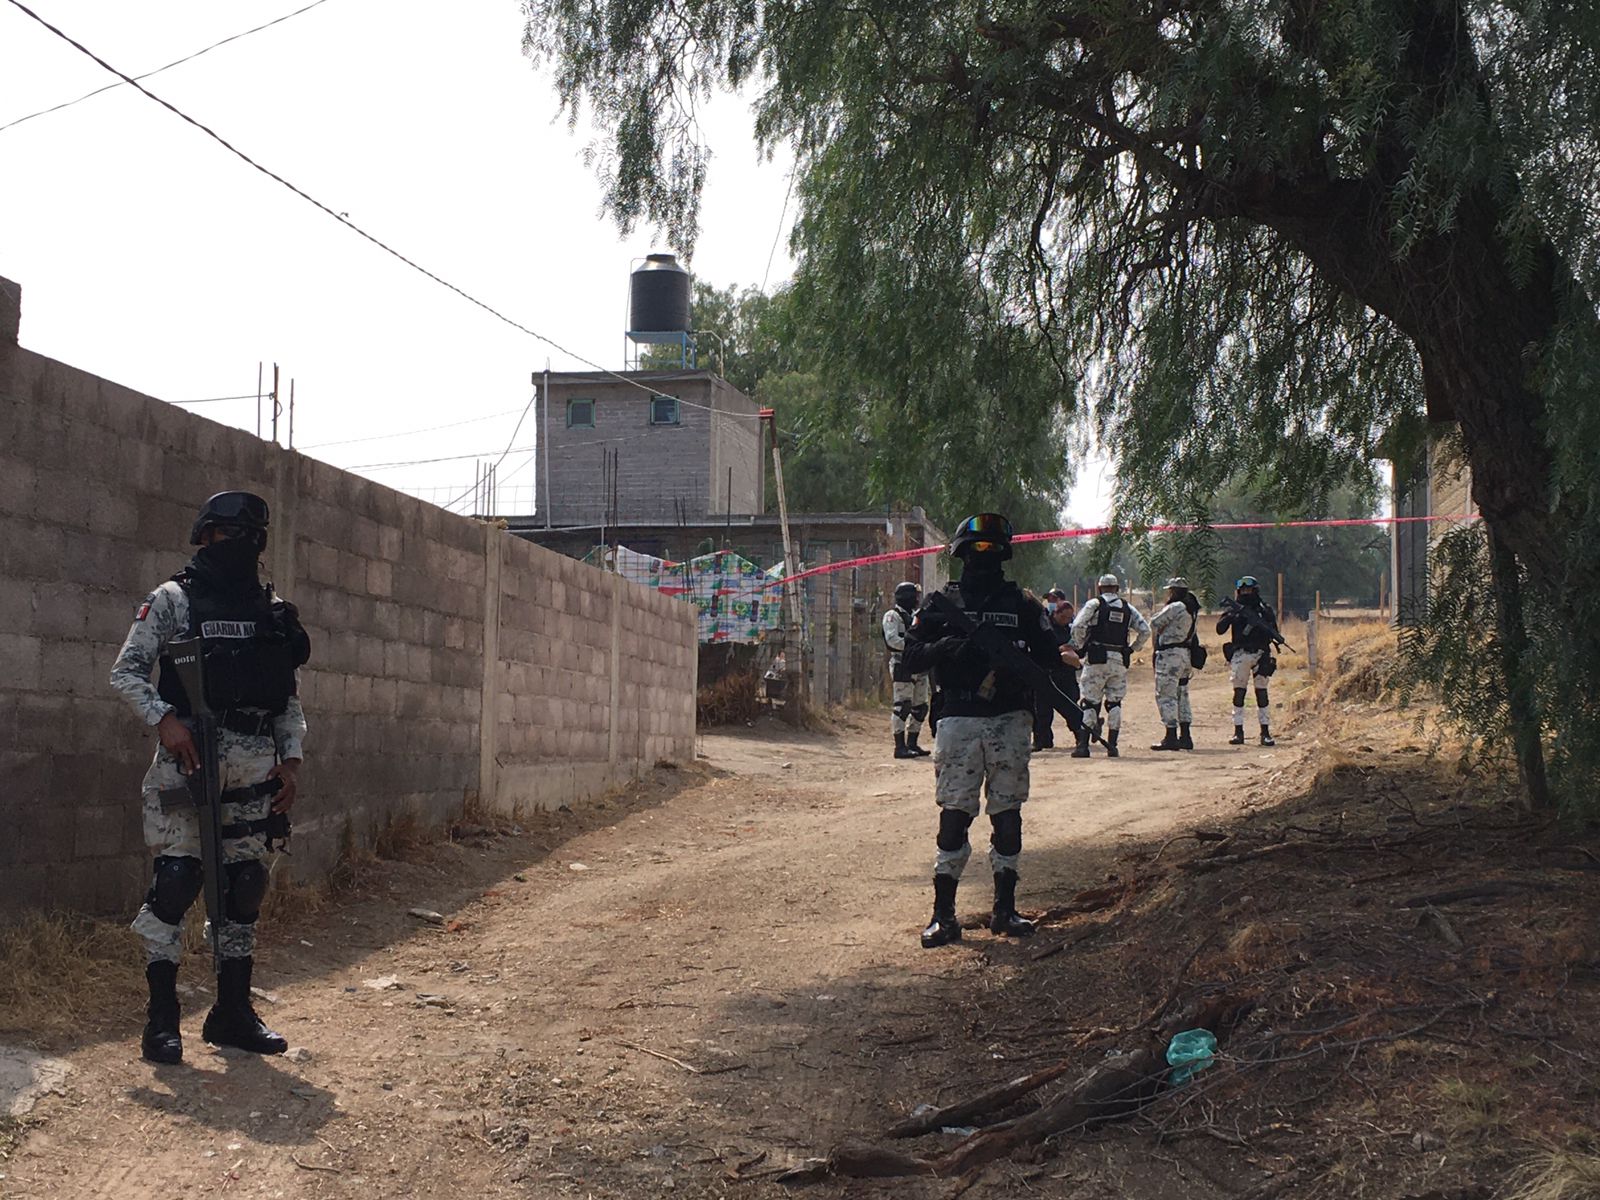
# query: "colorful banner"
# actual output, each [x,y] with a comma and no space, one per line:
[726,588]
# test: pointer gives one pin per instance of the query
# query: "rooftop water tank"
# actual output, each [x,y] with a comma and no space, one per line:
[658,296]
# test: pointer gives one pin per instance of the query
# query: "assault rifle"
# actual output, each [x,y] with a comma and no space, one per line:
[205,783]
[1001,653]
[1241,612]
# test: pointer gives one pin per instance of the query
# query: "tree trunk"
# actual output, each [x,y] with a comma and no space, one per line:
[1526,727]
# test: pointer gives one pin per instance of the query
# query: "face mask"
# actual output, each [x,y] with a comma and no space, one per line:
[232,560]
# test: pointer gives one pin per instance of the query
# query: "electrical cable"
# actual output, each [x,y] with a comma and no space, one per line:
[214,399]
[379,437]
[419,462]
[351,225]
[174,63]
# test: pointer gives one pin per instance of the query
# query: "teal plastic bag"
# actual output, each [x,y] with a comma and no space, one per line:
[1190,1051]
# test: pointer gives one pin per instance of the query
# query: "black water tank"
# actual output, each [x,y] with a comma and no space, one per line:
[658,296]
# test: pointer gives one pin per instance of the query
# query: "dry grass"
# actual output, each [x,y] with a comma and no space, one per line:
[1472,1109]
[1556,1174]
[734,699]
[63,975]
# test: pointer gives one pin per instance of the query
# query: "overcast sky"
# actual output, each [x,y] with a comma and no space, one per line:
[149,255]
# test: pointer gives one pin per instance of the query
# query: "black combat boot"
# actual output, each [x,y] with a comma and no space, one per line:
[900,748]
[232,1021]
[1082,748]
[1238,736]
[1266,737]
[912,749]
[162,1042]
[1169,740]
[944,928]
[1185,742]
[1005,921]
[1111,743]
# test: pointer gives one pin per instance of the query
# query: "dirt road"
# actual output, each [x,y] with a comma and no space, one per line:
[707,978]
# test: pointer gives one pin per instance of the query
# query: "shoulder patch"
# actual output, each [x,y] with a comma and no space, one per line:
[144,609]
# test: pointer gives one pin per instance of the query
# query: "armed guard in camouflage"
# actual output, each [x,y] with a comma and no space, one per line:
[1173,628]
[909,691]
[251,643]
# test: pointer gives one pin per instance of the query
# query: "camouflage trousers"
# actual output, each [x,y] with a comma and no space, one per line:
[1108,682]
[981,757]
[1173,670]
[910,708]
[1241,667]
[242,761]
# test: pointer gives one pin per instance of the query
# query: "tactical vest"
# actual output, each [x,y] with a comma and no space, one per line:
[1187,639]
[252,647]
[1110,629]
[971,687]
[905,623]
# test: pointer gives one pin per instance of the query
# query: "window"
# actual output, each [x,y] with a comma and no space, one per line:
[663,410]
[580,414]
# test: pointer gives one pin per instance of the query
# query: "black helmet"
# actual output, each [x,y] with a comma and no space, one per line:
[906,594]
[1246,583]
[244,509]
[985,531]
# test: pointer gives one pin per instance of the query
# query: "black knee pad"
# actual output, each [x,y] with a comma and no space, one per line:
[1183,683]
[1006,834]
[919,712]
[176,884]
[1261,697]
[1110,704]
[953,824]
[1238,697]
[1089,706]
[901,709]
[247,888]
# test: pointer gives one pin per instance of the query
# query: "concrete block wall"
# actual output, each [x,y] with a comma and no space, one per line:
[440,646]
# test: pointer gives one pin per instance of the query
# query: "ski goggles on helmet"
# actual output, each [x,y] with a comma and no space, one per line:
[991,527]
[1245,581]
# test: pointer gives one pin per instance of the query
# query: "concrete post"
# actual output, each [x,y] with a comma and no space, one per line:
[489,708]
[614,734]
[285,522]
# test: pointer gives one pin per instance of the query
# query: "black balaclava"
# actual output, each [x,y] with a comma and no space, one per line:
[230,564]
[1251,597]
[981,572]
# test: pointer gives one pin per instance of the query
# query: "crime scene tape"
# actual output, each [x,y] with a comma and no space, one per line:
[1098,530]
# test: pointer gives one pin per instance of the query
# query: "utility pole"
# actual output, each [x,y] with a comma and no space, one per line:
[276,407]
[544,444]
[291,414]
[791,598]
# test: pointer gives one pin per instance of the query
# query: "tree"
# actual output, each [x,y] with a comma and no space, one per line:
[1266,233]
[846,444]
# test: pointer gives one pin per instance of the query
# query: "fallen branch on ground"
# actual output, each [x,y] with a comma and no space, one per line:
[966,1111]
[1479,891]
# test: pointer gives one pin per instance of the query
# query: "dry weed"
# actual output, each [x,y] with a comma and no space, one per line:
[1473,1109]
[63,975]
[734,699]
[1556,1174]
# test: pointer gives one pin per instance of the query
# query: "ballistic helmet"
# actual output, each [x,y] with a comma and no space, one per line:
[1178,581]
[1055,594]
[906,594]
[1246,581]
[1108,580]
[985,533]
[242,510]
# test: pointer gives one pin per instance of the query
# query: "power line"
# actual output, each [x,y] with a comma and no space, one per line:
[417,462]
[379,437]
[215,399]
[174,63]
[349,224]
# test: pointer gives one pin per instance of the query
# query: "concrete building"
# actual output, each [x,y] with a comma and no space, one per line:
[686,446]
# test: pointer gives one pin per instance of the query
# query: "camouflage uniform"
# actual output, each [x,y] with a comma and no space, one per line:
[1173,664]
[1107,681]
[967,753]
[243,760]
[910,696]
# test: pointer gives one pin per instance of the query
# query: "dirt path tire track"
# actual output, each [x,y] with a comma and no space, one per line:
[757,925]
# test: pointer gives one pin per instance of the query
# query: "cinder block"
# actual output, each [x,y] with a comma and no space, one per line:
[71,668]
[97,832]
[18,486]
[65,615]
[352,572]
[380,578]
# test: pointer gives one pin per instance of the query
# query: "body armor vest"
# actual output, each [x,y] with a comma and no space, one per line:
[1110,629]
[252,646]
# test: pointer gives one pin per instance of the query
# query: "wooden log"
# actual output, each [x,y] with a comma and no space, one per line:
[964,1112]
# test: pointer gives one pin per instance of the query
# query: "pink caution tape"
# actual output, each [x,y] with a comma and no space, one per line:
[1048,535]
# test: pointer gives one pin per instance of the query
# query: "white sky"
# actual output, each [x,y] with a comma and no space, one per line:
[149,255]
